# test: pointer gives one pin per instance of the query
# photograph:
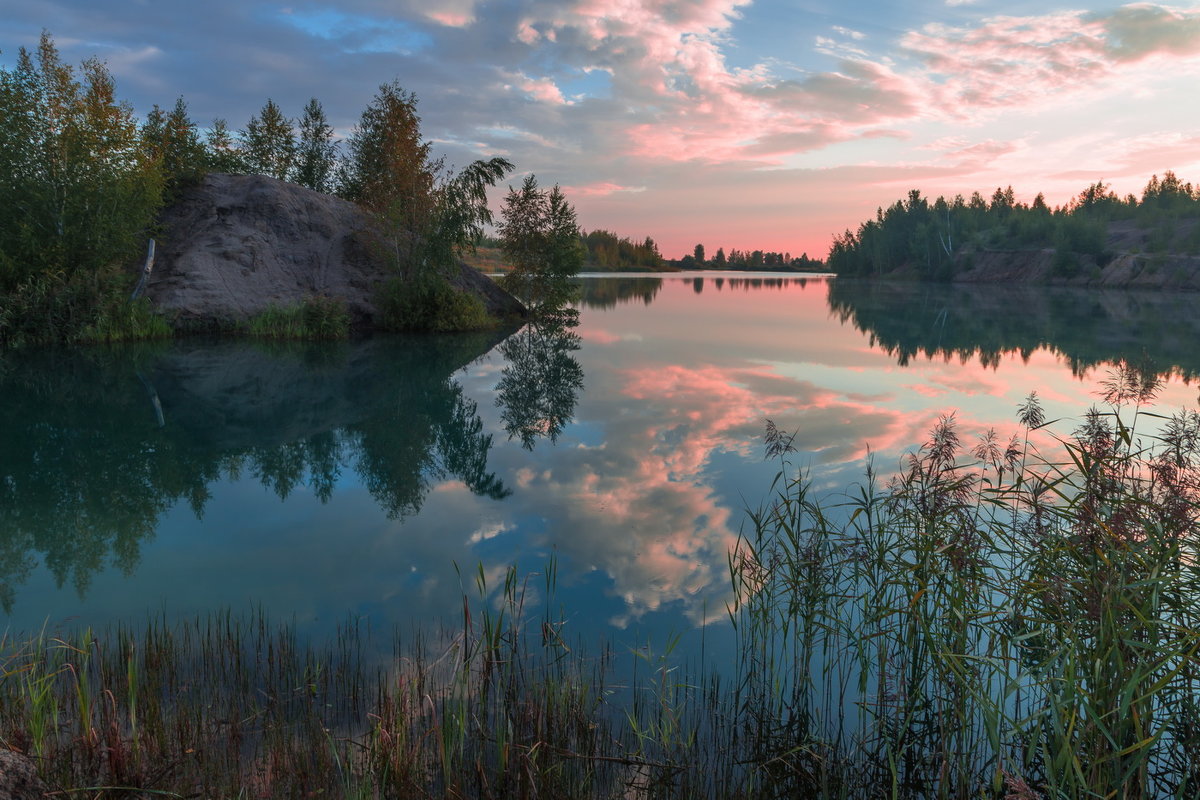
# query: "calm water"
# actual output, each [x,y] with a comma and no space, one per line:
[318,483]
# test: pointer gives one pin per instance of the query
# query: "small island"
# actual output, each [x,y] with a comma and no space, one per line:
[280,231]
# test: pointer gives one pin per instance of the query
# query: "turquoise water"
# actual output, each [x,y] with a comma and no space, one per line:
[375,479]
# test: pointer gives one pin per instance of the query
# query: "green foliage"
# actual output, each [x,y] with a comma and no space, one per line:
[429,303]
[388,168]
[933,242]
[316,152]
[1078,235]
[607,251]
[173,141]
[760,260]
[52,308]
[221,151]
[269,143]
[318,317]
[79,190]
[540,238]
[427,214]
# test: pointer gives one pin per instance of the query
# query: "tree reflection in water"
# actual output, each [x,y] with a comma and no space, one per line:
[540,385]
[98,444]
[1154,332]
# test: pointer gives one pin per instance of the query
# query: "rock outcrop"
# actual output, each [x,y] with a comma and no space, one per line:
[18,778]
[235,245]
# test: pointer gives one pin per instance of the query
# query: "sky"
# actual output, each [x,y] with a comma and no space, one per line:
[770,124]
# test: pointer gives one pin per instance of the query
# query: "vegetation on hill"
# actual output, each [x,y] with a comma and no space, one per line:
[84,182]
[937,241]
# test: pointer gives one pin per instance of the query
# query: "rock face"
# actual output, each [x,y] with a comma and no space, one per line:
[235,245]
[18,778]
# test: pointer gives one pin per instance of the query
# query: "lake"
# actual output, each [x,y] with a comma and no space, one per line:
[375,480]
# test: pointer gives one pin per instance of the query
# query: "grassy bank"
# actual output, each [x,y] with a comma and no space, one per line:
[52,308]
[994,622]
[317,318]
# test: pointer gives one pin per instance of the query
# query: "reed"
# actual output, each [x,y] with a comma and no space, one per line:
[992,622]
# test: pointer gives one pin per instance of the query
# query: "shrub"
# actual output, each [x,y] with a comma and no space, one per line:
[429,304]
[51,308]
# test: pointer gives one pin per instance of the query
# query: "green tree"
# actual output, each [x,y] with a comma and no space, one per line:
[540,236]
[428,215]
[698,254]
[221,151]
[269,143]
[316,154]
[79,191]
[389,169]
[172,139]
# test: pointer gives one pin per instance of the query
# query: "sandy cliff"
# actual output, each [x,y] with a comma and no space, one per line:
[235,245]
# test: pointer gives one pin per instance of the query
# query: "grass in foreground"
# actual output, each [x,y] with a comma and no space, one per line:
[990,624]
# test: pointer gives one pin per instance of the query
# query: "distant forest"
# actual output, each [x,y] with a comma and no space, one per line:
[608,252]
[755,260]
[936,241]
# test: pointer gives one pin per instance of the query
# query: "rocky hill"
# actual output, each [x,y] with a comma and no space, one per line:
[236,245]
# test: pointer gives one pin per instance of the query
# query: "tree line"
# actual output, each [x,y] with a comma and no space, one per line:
[936,240]
[84,180]
[608,251]
[749,260]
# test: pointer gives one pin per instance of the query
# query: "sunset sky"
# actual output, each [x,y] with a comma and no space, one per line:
[749,125]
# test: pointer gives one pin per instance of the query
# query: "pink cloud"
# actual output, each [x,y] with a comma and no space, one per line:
[1034,60]
[601,189]
[453,17]
[543,90]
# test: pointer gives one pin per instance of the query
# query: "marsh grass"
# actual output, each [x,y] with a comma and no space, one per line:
[318,317]
[994,622]
[230,706]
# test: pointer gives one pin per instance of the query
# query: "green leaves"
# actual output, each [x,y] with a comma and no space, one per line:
[540,237]
[79,188]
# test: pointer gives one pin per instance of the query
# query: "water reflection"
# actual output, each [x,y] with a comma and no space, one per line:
[540,383]
[98,444]
[1153,332]
[610,292]
[637,486]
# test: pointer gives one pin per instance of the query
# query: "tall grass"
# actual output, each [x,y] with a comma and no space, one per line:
[317,317]
[51,308]
[429,303]
[992,622]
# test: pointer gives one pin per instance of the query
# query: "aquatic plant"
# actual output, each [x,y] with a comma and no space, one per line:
[990,620]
